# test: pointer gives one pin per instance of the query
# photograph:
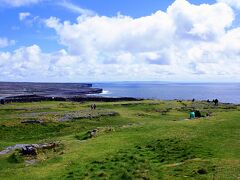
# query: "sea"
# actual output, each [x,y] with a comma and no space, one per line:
[224,92]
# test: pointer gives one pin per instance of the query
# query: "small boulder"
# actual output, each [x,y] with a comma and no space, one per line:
[92,133]
[29,150]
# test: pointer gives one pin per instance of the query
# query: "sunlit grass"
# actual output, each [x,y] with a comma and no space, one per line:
[150,140]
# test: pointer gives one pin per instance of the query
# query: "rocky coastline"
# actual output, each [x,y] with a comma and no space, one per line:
[83,98]
[35,92]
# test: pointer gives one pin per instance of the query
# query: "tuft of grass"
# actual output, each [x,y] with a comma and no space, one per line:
[16,157]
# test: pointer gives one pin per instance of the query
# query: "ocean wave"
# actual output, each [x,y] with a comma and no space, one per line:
[105,92]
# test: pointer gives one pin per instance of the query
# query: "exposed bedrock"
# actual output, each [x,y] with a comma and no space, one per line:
[36,98]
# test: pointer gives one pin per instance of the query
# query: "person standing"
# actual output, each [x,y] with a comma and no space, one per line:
[192,115]
[2,101]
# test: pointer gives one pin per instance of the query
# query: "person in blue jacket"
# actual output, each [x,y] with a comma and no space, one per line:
[192,115]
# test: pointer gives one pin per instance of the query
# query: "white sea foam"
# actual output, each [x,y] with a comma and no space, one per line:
[105,92]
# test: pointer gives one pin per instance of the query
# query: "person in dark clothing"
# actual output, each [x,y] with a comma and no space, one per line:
[94,106]
[215,101]
[2,101]
[197,114]
[193,100]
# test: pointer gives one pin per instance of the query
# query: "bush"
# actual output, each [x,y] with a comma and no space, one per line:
[16,157]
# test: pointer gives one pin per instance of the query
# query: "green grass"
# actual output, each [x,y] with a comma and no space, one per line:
[146,140]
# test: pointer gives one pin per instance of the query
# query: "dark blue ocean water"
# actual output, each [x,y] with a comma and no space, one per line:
[225,92]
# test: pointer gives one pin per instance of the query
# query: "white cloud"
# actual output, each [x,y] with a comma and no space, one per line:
[180,44]
[24,15]
[29,20]
[4,42]
[233,3]
[18,3]
[76,9]
[200,22]
[25,62]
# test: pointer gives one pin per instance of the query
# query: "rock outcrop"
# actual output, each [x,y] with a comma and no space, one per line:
[29,149]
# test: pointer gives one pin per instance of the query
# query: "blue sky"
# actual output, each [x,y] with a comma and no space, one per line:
[27,34]
[38,25]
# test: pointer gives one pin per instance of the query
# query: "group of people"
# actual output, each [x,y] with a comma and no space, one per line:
[93,106]
[215,101]
[195,113]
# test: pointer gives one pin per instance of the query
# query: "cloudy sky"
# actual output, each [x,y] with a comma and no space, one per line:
[127,40]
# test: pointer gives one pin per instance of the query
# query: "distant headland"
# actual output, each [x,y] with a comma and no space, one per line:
[34,92]
[8,89]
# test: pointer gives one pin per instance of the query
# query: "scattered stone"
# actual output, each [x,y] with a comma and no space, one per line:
[92,133]
[32,122]
[48,146]
[67,117]
[95,132]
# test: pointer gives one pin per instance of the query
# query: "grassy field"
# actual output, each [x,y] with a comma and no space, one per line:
[134,140]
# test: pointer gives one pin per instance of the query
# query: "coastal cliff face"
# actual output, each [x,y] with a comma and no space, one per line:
[35,92]
[83,98]
[44,91]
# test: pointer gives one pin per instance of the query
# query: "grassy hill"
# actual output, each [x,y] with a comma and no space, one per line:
[131,140]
